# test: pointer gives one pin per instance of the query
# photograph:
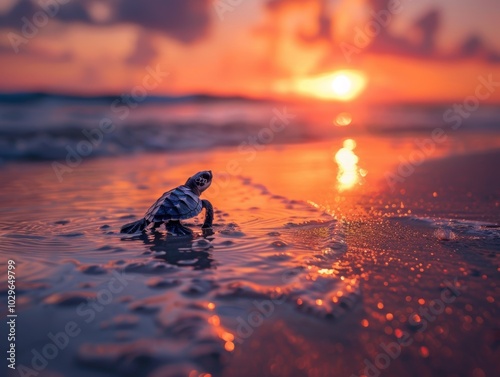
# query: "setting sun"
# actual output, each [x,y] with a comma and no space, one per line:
[342,85]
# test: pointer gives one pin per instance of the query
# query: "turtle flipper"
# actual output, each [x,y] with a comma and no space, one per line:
[156,225]
[209,214]
[177,229]
[136,226]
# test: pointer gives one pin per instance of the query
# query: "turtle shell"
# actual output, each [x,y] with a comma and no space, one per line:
[177,204]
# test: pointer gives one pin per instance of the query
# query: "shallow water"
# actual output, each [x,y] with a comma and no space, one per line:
[302,275]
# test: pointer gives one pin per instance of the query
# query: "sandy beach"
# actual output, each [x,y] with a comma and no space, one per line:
[317,265]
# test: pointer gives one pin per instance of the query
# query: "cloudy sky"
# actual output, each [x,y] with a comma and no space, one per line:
[408,50]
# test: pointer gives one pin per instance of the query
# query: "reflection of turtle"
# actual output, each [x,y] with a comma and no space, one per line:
[182,202]
[188,252]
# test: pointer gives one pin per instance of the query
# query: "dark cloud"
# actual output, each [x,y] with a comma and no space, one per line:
[184,20]
[72,11]
[474,47]
[323,19]
[426,28]
[324,26]
[429,25]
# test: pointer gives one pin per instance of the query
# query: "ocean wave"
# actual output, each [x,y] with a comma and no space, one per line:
[53,144]
[48,127]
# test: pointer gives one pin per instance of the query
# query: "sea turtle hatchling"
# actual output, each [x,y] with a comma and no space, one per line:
[180,203]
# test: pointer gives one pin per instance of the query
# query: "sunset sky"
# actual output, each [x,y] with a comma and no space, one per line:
[374,50]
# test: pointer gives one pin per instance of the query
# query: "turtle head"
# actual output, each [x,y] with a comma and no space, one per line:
[200,181]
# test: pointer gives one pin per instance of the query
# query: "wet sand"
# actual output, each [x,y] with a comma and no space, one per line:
[316,266]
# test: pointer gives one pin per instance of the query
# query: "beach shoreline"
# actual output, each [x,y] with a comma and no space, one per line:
[307,272]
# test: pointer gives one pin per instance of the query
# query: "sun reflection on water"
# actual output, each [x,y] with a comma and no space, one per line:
[349,172]
[343,119]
